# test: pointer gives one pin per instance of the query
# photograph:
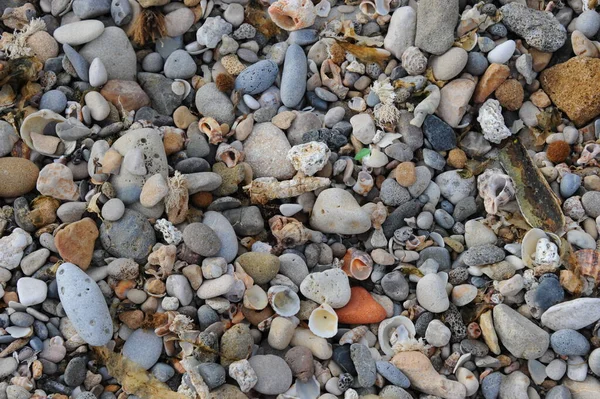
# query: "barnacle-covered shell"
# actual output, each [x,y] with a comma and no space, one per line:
[289,232]
[255,298]
[496,189]
[309,158]
[323,321]
[357,264]
[264,189]
[588,261]
[292,15]
[33,126]
[388,327]
[590,151]
[283,300]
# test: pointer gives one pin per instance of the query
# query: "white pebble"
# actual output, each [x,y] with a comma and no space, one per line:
[502,53]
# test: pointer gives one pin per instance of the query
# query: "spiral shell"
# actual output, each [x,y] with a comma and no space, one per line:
[357,264]
[354,336]
[496,189]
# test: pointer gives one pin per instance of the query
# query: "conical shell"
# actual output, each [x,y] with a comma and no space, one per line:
[283,300]
[255,298]
[323,321]
[357,264]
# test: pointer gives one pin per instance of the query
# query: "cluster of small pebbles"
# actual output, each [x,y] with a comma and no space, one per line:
[299,199]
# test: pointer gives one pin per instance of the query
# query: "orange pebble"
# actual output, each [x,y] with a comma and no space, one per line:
[202,199]
[362,309]
[122,287]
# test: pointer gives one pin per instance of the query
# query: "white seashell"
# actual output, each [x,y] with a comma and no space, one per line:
[590,151]
[376,159]
[364,184]
[546,253]
[357,104]
[368,8]
[19,332]
[529,245]
[356,335]
[255,298]
[388,139]
[496,189]
[181,87]
[310,388]
[283,300]
[389,328]
[382,7]
[36,122]
[323,8]
[323,321]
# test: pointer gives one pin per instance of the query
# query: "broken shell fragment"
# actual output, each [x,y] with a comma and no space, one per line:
[309,158]
[323,321]
[364,184]
[32,133]
[368,8]
[496,189]
[538,250]
[388,331]
[230,155]
[212,129]
[293,14]
[255,298]
[283,300]
[265,189]
[357,264]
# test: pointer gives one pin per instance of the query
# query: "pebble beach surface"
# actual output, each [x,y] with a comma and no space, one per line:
[228,199]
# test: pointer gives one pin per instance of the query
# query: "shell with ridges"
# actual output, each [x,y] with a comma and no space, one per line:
[357,264]
[496,189]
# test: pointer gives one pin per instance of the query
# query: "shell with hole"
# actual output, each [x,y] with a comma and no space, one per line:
[323,321]
[496,189]
[283,300]
[32,133]
[388,328]
[539,248]
[255,298]
[357,264]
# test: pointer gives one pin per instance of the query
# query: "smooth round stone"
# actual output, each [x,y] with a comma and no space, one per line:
[454,187]
[213,374]
[18,176]
[21,319]
[364,364]
[476,63]
[559,392]
[179,21]
[213,103]
[8,138]
[84,305]
[266,152]
[31,291]
[54,100]
[395,286]
[153,62]
[588,23]
[75,371]
[113,210]
[234,14]
[121,12]
[162,371]
[557,368]
[293,79]
[449,64]
[201,239]
[115,51]
[483,255]
[569,184]
[79,32]
[97,73]
[490,386]
[257,77]
[502,52]
[8,365]
[224,231]
[431,293]
[393,194]
[437,334]
[180,65]
[215,287]
[273,373]
[132,236]
[179,287]
[143,347]
[591,203]
[569,343]
[97,105]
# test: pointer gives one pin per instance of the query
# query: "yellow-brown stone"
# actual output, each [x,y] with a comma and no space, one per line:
[75,243]
[573,86]
[17,176]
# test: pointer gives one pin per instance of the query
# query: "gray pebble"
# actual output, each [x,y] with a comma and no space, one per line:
[213,374]
[392,374]
[75,371]
[21,319]
[132,236]
[364,364]
[559,392]
[153,62]
[257,77]
[143,347]
[180,65]
[86,9]
[211,102]
[490,386]
[568,342]
[477,63]
[395,286]
[54,100]
[80,64]
[121,12]
[163,372]
[201,239]
[483,255]
[393,194]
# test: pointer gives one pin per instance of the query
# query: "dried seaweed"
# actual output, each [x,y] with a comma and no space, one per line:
[133,378]
[537,201]
[260,19]
[149,26]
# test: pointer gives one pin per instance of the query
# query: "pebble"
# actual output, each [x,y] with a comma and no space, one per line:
[588,23]
[574,314]
[273,163]
[519,335]
[539,29]
[330,286]
[392,374]
[364,365]
[19,176]
[97,73]
[113,48]
[257,78]
[449,64]
[113,210]
[90,9]
[213,103]
[84,304]
[514,386]
[179,21]
[569,343]
[121,12]
[483,255]
[273,374]
[336,211]
[502,53]
[556,369]
[54,100]
[143,347]
[401,31]
[262,267]
[79,32]
[437,334]
[293,85]
[431,293]
[131,236]
[180,65]
[212,30]
[435,26]
[201,239]
[7,366]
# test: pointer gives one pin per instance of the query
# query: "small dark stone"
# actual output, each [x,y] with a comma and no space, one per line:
[341,356]
[474,347]
[422,323]
[548,293]
[75,372]
[439,133]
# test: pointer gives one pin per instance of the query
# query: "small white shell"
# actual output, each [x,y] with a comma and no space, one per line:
[323,8]
[529,245]
[376,159]
[283,300]
[323,321]
[496,189]
[387,329]
[255,298]
[546,253]
[368,8]
[181,87]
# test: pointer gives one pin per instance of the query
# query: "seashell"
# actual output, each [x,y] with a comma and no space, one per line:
[283,300]
[357,104]
[255,298]
[382,7]
[389,327]
[414,242]
[538,250]
[212,129]
[427,106]
[22,382]
[388,139]
[414,61]
[323,8]
[35,124]
[364,184]
[292,15]
[347,178]
[496,189]
[289,232]
[354,336]
[590,151]
[468,41]
[230,155]
[307,389]
[376,159]
[357,264]
[264,189]
[323,321]
[181,87]
[368,8]
[588,261]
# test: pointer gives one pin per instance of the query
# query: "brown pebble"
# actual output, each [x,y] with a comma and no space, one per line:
[457,158]
[183,117]
[405,174]
[154,286]
[132,319]
[18,177]
[173,142]
[540,99]
[493,77]
[510,94]
[75,243]
[201,199]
